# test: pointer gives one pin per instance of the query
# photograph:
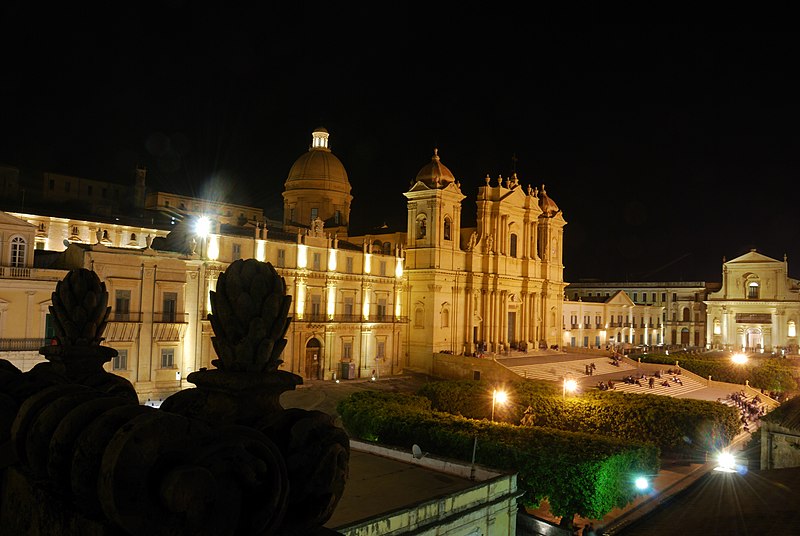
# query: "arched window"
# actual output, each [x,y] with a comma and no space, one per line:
[387,248]
[447,226]
[752,290]
[445,317]
[18,249]
[512,249]
[791,329]
[419,318]
[686,315]
[421,226]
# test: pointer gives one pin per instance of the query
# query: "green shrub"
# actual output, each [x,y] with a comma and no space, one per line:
[578,473]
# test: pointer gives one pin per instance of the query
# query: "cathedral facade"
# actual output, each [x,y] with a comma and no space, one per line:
[757,309]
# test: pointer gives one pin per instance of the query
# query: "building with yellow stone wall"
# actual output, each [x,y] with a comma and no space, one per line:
[757,308]
[362,305]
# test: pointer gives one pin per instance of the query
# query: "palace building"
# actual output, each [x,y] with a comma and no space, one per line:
[371,305]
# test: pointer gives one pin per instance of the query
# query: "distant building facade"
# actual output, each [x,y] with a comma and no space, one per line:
[757,309]
[681,303]
[611,322]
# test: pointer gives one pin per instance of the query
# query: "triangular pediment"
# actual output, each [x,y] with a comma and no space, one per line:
[620,298]
[752,256]
[7,220]
[419,186]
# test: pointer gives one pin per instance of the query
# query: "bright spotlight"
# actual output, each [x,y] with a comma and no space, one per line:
[501,397]
[726,462]
[202,226]
[739,359]
[641,483]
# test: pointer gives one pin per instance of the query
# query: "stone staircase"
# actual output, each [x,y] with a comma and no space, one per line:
[675,389]
[557,370]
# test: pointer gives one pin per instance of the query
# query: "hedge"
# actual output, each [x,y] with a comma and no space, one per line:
[579,473]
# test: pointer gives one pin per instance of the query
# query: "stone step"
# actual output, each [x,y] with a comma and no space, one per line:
[557,370]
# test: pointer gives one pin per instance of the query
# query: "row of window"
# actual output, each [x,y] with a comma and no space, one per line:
[120,361]
[51,185]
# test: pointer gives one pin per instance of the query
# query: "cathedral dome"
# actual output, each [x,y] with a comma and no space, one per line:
[318,168]
[435,174]
[547,205]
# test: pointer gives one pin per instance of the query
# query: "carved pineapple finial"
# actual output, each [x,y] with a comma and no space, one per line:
[80,309]
[250,317]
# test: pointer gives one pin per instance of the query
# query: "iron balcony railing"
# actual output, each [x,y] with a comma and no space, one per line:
[170,318]
[124,317]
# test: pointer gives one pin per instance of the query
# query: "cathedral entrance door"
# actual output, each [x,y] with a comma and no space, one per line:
[754,338]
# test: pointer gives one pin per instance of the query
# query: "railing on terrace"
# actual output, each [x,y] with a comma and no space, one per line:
[21,345]
[124,317]
[318,317]
[13,272]
[171,318]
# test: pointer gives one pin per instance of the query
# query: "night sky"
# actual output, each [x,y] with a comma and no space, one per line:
[666,147]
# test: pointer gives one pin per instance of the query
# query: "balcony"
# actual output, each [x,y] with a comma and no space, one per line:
[349,318]
[169,325]
[123,326]
[22,345]
[35,274]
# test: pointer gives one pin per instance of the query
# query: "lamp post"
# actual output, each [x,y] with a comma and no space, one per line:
[498,397]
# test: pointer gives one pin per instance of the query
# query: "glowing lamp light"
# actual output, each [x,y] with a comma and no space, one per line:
[739,359]
[202,227]
[498,397]
[641,483]
[726,462]
[570,385]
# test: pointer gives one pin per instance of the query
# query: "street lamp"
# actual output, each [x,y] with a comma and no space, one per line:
[569,385]
[500,397]
[739,359]
[202,228]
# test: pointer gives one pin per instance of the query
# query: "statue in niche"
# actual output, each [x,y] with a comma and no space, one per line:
[473,238]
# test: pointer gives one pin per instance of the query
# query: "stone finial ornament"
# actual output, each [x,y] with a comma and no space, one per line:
[223,458]
[80,309]
[250,317]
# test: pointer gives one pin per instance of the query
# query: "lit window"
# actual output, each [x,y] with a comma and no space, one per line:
[168,358]
[752,290]
[18,249]
[792,331]
[120,362]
